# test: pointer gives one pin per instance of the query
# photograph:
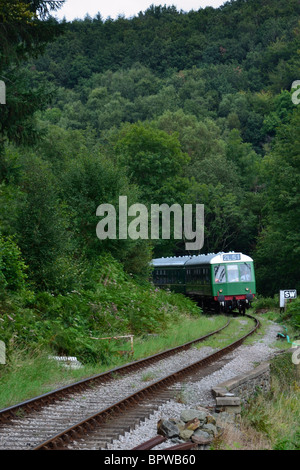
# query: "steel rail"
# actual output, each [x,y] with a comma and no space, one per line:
[153,442]
[45,399]
[61,440]
[183,446]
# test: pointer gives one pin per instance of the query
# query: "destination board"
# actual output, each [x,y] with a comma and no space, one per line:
[232,257]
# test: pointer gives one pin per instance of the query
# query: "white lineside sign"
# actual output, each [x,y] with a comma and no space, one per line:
[285,296]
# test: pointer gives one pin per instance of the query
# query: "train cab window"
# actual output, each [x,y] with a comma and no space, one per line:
[220,275]
[245,272]
[233,273]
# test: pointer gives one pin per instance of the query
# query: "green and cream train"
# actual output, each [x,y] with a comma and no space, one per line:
[222,281]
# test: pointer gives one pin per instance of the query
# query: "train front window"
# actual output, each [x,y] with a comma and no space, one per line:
[245,272]
[220,275]
[233,273]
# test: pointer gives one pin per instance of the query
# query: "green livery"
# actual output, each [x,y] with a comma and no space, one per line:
[222,281]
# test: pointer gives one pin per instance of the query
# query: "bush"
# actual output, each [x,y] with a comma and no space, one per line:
[12,266]
[275,414]
[67,323]
[293,443]
[293,311]
[270,303]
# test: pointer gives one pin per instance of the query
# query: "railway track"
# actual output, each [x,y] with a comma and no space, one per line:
[90,413]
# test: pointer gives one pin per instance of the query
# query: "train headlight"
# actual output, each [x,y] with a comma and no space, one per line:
[247,288]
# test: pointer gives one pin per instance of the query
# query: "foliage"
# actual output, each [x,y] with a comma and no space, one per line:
[268,303]
[152,157]
[293,443]
[279,239]
[276,414]
[68,324]
[12,266]
[293,312]
[165,107]
[251,33]
[23,34]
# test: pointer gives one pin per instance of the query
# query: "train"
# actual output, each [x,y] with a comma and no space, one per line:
[222,282]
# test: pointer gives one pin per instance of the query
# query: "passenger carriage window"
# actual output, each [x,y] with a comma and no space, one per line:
[220,275]
[232,273]
[245,272]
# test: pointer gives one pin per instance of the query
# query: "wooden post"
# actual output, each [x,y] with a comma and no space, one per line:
[119,337]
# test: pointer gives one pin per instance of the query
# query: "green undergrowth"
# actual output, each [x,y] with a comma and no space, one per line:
[32,373]
[238,327]
[34,325]
[276,414]
[184,332]
[72,323]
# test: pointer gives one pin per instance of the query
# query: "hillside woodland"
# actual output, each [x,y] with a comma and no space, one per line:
[165,107]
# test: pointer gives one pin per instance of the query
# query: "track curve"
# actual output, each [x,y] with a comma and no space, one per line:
[131,402]
[134,406]
[36,403]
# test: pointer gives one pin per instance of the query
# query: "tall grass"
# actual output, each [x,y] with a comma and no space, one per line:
[31,374]
[237,328]
[179,333]
[28,375]
[276,415]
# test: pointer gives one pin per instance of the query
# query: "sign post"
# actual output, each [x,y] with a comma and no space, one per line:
[285,296]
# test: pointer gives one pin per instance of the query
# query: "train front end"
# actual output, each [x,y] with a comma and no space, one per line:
[233,281]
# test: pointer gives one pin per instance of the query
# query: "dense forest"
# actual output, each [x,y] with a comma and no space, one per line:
[165,107]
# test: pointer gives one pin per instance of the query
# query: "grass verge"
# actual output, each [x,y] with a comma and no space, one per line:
[275,416]
[31,374]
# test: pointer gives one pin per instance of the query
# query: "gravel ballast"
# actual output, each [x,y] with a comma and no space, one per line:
[242,360]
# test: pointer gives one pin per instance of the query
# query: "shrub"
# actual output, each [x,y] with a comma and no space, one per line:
[293,310]
[270,303]
[12,266]
[67,323]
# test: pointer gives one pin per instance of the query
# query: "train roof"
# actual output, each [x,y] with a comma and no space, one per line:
[171,261]
[211,258]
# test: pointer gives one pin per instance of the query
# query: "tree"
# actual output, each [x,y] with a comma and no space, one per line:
[23,32]
[12,266]
[244,158]
[25,29]
[152,158]
[41,226]
[277,253]
[225,218]
[87,182]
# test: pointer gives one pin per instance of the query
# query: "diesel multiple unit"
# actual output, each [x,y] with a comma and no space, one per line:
[222,281]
